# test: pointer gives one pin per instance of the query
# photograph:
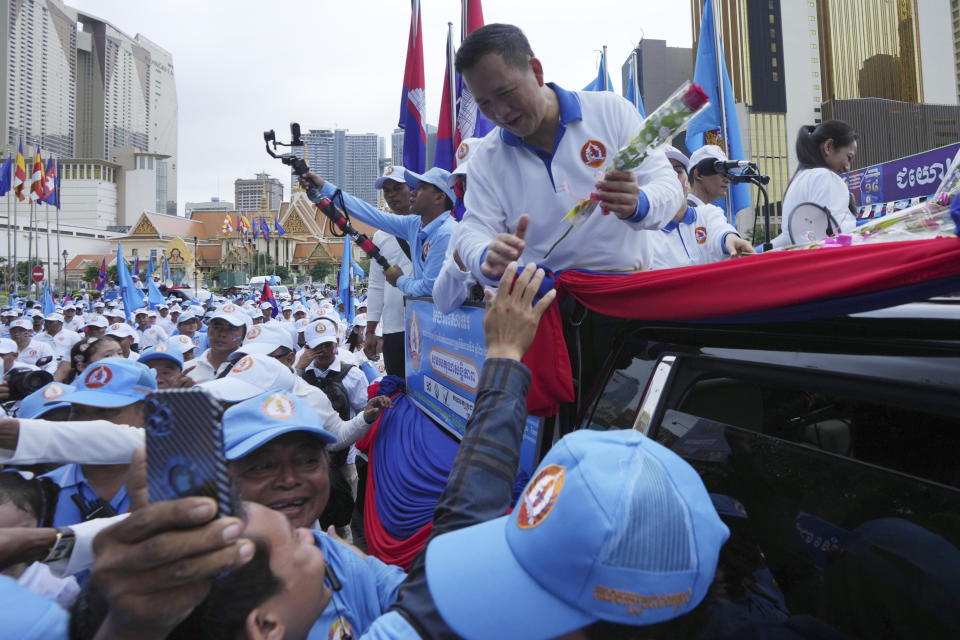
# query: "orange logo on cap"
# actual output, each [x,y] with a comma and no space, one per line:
[388,170]
[115,326]
[320,327]
[99,376]
[228,308]
[53,392]
[160,348]
[242,365]
[278,407]
[700,233]
[463,150]
[184,340]
[540,496]
[593,153]
[253,333]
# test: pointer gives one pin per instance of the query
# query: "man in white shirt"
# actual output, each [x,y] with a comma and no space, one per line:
[164,321]
[71,320]
[548,152]
[60,340]
[148,335]
[225,333]
[385,302]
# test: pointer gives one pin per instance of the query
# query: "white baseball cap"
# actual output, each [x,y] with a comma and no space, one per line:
[390,172]
[464,152]
[320,331]
[709,151]
[673,153]
[8,346]
[181,343]
[97,321]
[250,376]
[121,330]
[22,323]
[233,314]
[271,334]
[54,317]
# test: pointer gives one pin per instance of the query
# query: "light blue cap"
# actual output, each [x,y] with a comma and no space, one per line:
[162,351]
[112,382]
[435,175]
[252,423]
[612,526]
[44,400]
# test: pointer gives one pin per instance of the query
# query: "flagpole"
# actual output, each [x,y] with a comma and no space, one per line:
[56,185]
[464,9]
[49,272]
[452,97]
[606,73]
[718,45]
[30,245]
[9,254]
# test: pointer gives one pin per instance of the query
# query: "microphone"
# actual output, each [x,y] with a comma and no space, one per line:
[721,166]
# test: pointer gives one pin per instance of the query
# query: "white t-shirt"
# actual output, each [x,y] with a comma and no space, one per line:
[507,179]
[697,239]
[385,301]
[820,186]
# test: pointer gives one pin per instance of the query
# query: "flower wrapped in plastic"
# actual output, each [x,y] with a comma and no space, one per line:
[669,120]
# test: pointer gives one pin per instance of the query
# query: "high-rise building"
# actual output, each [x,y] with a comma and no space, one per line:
[396,146]
[79,88]
[832,50]
[349,160]
[261,193]
[955,21]
[431,144]
[661,69]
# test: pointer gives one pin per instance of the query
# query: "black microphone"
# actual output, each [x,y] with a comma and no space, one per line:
[723,166]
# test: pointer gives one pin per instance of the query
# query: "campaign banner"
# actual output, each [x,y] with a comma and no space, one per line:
[444,356]
[902,179]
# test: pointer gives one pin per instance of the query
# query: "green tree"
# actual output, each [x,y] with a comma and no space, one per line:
[92,271]
[283,273]
[261,264]
[321,269]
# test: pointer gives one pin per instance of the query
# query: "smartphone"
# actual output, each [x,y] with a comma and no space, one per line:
[185,452]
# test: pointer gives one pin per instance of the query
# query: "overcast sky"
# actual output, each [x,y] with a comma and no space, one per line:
[243,66]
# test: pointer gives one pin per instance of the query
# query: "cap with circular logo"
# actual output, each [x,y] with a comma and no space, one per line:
[465,151]
[320,331]
[162,351]
[232,314]
[112,382]
[269,334]
[121,330]
[97,321]
[255,422]
[22,323]
[249,376]
[635,542]
[393,172]
[44,400]
[181,343]
[54,317]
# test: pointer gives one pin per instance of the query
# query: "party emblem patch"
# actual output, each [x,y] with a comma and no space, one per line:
[53,391]
[540,496]
[700,233]
[463,150]
[320,327]
[242,365]
[340,630]
[593,153]
[278,407]
[426,251]
[388,171]
[160,348]
[254,333]
[228,308]
[99,376]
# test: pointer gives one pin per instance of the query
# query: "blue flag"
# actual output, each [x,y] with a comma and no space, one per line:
[166,269]
[345,282]
[154,296]
[48,305]
[128,292]
[633,91]
[357,270]
[149,274]
[264,229]
[707,124]
[602,77]
[6,176]
[276,227]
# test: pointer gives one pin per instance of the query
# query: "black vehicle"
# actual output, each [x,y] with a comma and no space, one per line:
[830,448]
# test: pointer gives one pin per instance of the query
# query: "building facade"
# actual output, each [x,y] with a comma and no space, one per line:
[349,160]
[660,70]
[77,87]
[258,194]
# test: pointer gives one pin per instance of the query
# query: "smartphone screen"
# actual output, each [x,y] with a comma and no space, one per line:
[185,452]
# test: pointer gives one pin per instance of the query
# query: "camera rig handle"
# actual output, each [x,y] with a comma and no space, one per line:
[299,167]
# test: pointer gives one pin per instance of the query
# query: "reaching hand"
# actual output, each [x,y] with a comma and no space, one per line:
[310,179]
[504,249]
[376,406]
[737,246]
[511,319]
[392,275]
[156,566]
[371,345]
[618,193]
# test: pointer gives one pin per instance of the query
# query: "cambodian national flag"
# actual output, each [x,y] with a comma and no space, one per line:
[51,184]
[264,229]
[276,227]
[444,151]
[345,282]
[102,276]
[267,296]
[413,103]
[470,122]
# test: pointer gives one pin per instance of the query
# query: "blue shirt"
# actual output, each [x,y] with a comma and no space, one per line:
[72,482]
[369,587]
[428,244]
[30,616]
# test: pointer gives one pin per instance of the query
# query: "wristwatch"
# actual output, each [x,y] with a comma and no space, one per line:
[62,546]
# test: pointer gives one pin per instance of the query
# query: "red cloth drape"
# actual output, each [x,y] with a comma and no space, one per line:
[731,288]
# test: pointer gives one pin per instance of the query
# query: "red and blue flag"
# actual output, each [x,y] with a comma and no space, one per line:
[413,103]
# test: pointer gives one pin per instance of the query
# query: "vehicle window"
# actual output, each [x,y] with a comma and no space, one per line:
[835,506]
[617,404]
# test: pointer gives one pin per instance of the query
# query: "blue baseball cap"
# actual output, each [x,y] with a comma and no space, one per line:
[162,351]
[44,400]
[612,526]
[435,175]
[252,423]
[112,382]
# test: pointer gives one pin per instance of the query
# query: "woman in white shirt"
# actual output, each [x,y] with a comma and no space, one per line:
[824,151]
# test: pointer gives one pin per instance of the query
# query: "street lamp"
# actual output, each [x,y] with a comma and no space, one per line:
[196,266]
[64,271]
